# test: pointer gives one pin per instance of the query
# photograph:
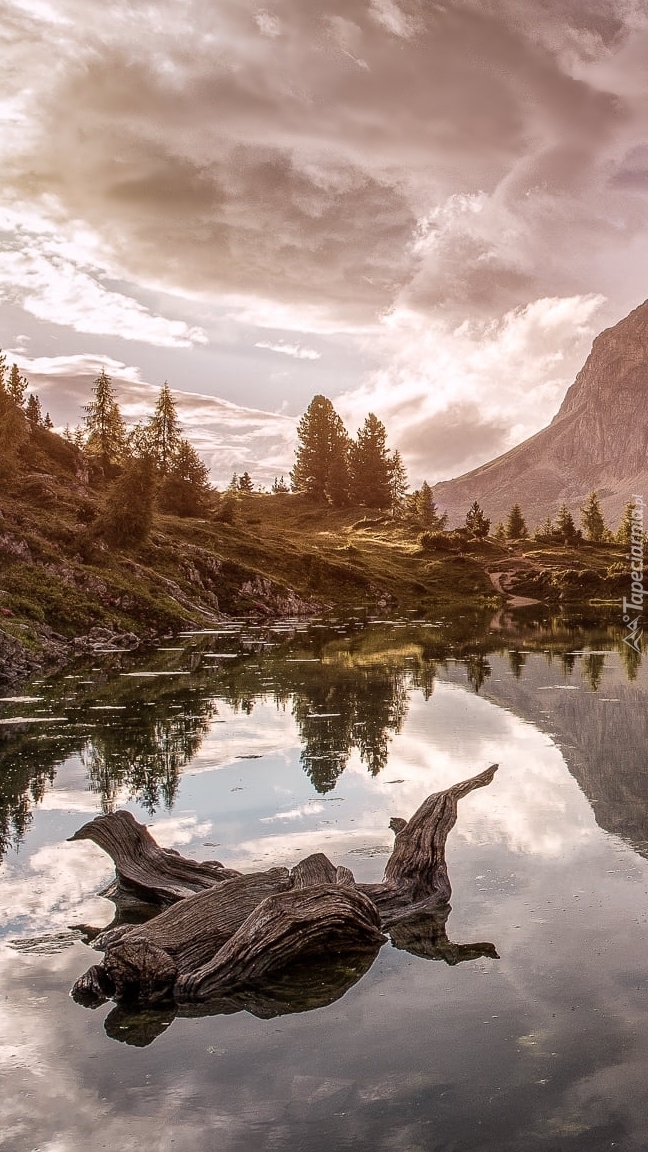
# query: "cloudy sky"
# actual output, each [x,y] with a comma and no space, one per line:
[422,210]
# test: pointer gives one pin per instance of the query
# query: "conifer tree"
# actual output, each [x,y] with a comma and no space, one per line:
[546,530]
[370,465]
[138,441]
[128,514]
[476,522]
[13,427]
[397,480]
[279,486]
[245,484]
[565,527]
[16,385]
[338,483]
[516,528]
[33,411]
[500,532]
[320,459]
[422,506]
[186,489]
[105,430]
[592,519]
[164,430]
[624,531]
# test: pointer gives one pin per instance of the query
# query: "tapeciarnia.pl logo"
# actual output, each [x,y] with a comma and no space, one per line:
[630,605]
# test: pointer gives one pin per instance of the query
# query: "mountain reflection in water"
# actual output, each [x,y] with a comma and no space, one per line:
[262,744]
[347,688]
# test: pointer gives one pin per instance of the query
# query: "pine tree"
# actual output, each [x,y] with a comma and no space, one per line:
[624,531]
[339,480]
[516,528]
[500,532]
[233,485]
[186,489]
[545,531]
[422,506]
[592,519]
[16,385]
[33,411]
[13,427]
[105,430]
[565,527]
[128,515]
[48,422]
[279,487]
[245,484]
[138,441]
[370,465]
[164,430]
[321,453]
[476,522]
[397,480]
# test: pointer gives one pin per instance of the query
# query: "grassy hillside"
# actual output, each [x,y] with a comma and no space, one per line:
[60,578]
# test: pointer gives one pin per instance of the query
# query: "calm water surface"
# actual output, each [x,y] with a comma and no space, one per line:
[258,745]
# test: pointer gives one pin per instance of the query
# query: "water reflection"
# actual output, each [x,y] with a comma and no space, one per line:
[346,685]
[301,987]
[545,1048]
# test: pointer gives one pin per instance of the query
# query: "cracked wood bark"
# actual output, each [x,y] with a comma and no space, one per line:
[285,929]
[243,930]
[416,874]
[154,874]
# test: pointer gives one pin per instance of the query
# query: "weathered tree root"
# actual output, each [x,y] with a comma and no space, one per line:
[226,939]
[154,875]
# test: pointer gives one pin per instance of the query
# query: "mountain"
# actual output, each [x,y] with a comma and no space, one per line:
[598,440]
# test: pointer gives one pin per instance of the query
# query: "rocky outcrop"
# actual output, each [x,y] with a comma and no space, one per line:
[597,441]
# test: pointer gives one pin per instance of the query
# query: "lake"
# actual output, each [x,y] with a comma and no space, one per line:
[257,744]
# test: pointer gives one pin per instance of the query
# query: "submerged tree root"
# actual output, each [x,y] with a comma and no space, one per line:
[274,941]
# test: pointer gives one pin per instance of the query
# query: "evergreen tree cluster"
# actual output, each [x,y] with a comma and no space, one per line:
[20,416]
[332,468]
[563,529]
[150,463]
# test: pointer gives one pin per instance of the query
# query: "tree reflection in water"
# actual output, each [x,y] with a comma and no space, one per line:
[346,685]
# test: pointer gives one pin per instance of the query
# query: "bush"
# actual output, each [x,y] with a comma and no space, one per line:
[226,510]
[441,541]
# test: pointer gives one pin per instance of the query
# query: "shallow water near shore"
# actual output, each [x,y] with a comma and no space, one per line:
[259,744]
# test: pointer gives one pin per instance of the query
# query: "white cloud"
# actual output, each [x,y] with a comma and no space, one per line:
[229,437]
[56,272]
[296,350]
[453,396]
[392,18]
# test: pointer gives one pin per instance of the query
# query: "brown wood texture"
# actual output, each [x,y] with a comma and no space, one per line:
[222,936]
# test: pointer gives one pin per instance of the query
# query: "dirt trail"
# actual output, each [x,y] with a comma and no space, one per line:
[502,574]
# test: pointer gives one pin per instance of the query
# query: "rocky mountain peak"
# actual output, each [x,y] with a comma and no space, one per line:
[597,440]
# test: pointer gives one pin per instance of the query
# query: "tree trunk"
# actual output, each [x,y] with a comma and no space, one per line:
[230,939]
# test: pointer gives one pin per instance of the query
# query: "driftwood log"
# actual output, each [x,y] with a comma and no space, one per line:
[269,942]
